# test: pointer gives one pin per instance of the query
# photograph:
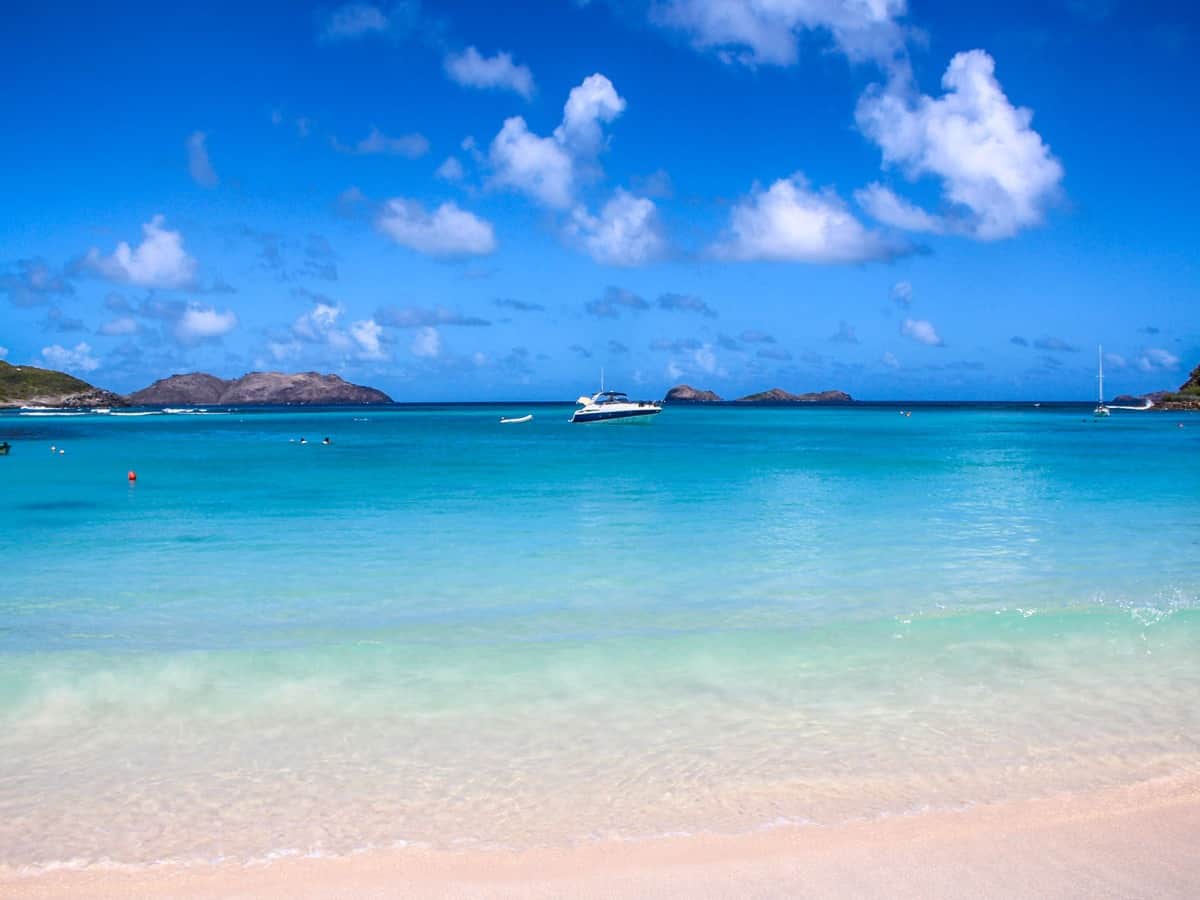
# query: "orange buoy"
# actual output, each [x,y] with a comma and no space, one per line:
[132,475]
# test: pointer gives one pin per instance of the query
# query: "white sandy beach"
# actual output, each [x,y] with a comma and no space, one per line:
[1132,842]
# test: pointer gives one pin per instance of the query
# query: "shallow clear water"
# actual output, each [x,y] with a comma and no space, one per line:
[443,630]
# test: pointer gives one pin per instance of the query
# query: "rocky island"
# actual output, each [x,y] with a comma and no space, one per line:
[257,389]
[685,393]
[31,386]
[779,395]
[194,389]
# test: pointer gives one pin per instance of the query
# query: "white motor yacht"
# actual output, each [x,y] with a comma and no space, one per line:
[610,406]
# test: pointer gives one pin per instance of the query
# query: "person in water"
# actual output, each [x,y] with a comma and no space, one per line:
[327,441]
[304,440]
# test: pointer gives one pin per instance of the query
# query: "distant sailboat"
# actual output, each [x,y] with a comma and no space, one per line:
[1101,411]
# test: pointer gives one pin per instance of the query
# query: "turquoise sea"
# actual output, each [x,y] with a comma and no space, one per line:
[440,630]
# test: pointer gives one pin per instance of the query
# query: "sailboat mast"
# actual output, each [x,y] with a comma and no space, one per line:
[1100,356]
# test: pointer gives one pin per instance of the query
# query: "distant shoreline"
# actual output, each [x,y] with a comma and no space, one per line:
[722,404]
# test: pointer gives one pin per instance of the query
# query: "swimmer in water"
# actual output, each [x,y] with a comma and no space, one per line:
[327,441]
[304,440]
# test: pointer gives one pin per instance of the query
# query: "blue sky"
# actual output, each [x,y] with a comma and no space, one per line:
[455,201]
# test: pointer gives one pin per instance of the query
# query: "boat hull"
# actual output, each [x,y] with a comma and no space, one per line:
[582,417]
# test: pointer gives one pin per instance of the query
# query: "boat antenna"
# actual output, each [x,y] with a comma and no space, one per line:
[602,379]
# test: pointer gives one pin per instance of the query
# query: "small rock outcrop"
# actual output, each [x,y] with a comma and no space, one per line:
[779,395]
[257,389]
[91,399]
[685,393]
[1138,399]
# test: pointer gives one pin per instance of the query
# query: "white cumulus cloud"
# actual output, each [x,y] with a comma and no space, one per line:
[426,343]
[319,325]
[200,323]
[199,166]
[889,360]
[159,261]
[1155,359]
[450,170]
[472,69]
[593,102]
[447,231]
[361,340]
[883,205]
[767,31]
[77,359]
[791,222]
[626,233]
[921,331]
[366,334]
[548,169]
[996,172]
[537,166]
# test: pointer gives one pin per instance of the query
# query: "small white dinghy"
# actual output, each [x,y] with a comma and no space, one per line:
[528,418]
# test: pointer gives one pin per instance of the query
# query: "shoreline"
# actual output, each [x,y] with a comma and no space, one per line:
[1135,841]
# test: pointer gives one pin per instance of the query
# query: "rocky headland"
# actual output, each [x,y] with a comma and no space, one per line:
[1186,398]
[31,386]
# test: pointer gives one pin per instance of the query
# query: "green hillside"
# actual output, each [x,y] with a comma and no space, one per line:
[1191,387]
[23,382]
[1187,397]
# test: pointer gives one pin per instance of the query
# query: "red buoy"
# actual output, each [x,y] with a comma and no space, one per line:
[132,475]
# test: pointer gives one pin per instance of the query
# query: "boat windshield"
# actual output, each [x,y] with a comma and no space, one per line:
[611,397]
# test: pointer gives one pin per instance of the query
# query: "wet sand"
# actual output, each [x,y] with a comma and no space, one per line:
[1142,841]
